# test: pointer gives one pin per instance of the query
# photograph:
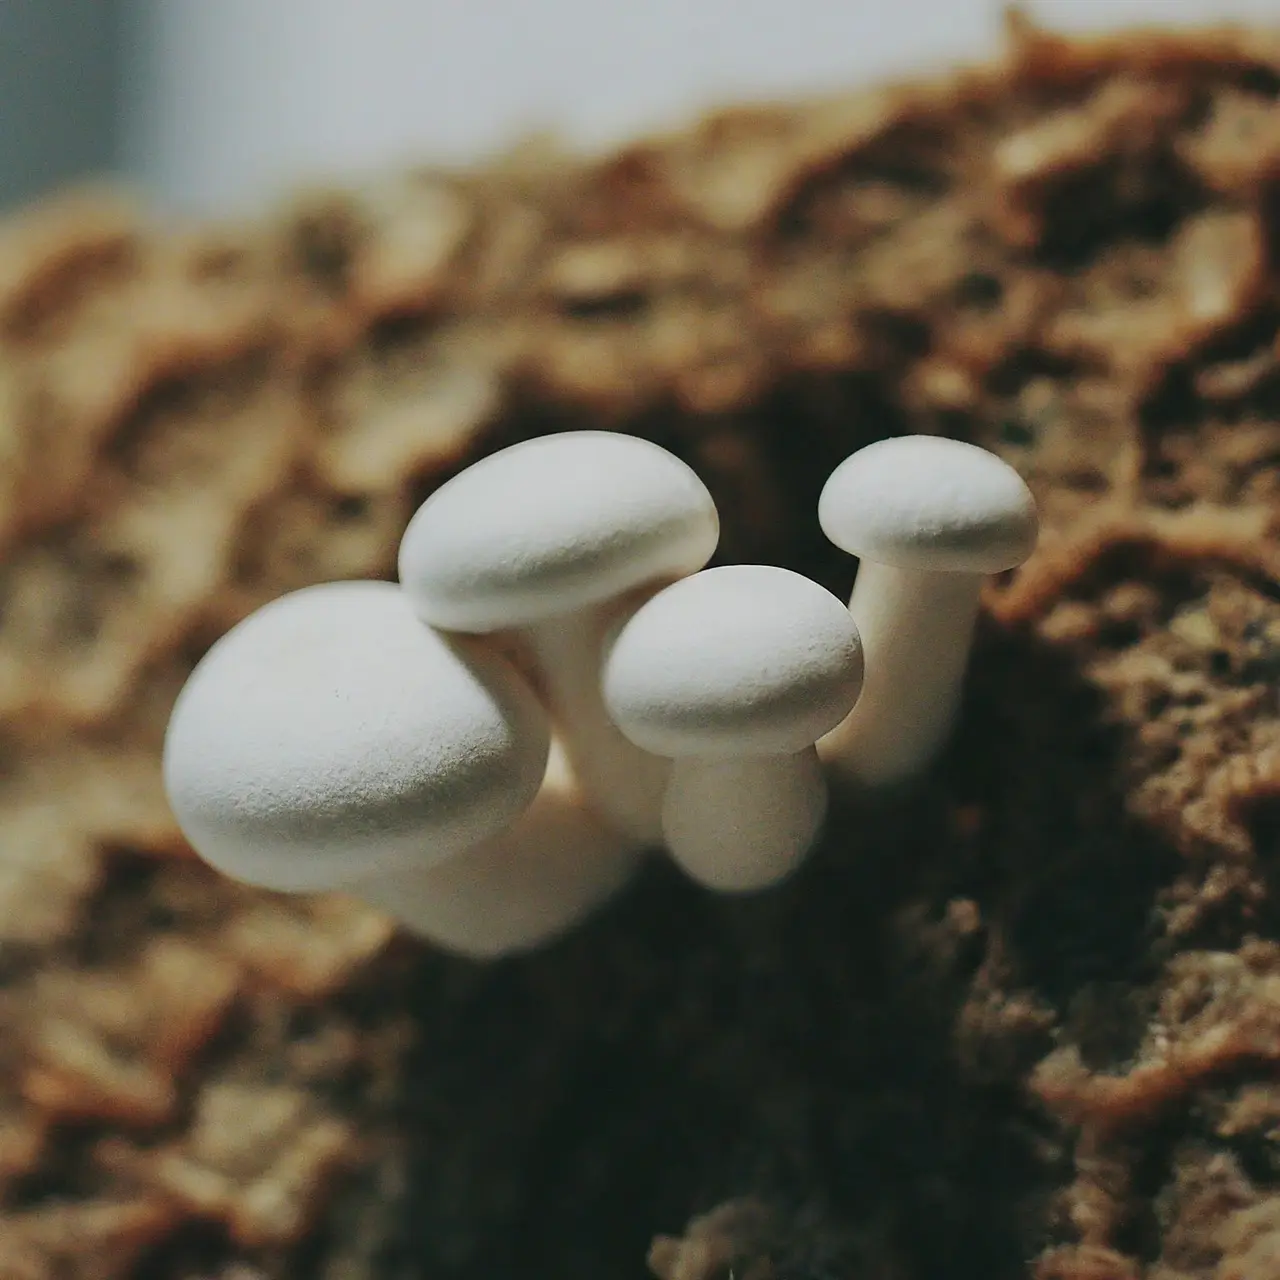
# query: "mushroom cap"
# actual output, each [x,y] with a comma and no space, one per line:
[929,503]
[331,735]
[743,660]
[553,525]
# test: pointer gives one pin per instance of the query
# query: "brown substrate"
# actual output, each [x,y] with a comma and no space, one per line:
[1021,1021]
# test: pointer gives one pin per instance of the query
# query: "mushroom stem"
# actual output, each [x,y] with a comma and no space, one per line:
[744,823]
[624,783]
[518,889]
[917,630]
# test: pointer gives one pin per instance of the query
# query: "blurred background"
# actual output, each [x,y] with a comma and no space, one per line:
[215,106]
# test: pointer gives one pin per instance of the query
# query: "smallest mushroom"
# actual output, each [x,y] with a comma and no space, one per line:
[930,519]
[735,673]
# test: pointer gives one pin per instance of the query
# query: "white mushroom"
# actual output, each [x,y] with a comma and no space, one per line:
[550,538]
[929,518]
[332,741]
[735,673]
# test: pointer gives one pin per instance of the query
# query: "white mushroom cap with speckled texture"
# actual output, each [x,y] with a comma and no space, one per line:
[553,525]
[927,502]
[331,735]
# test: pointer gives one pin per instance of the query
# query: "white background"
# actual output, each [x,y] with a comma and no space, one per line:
[220,104]
[241,96]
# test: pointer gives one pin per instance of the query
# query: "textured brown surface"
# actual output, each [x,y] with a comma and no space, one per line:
[1025,1021]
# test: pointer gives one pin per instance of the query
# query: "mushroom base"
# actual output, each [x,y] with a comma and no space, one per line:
[519,889]
[738,825]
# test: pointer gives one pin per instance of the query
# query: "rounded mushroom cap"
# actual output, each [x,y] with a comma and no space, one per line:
[742,660]
[553,525]
[331,735]
[926,502]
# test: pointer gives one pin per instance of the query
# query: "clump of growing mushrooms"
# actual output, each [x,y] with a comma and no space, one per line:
[558,685]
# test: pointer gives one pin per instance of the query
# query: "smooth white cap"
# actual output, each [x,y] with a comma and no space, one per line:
[929,503]
[332,735]
[553,525]
[736,661]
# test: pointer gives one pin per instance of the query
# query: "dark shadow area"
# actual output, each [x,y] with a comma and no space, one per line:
[817,1046]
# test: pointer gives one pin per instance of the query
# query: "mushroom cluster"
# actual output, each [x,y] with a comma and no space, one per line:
[558,685]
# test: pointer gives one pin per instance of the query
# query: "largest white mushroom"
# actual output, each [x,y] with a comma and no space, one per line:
[929,518]
[332,741]
[549,539]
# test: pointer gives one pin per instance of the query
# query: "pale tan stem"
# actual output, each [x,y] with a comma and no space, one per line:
[917,630]
[519,889]
[624,783]
[742,824]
